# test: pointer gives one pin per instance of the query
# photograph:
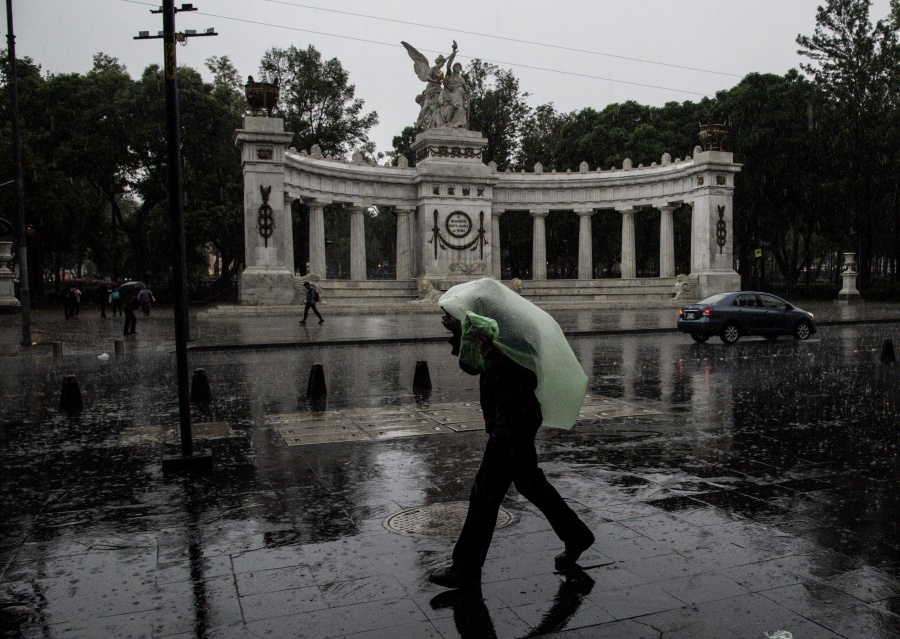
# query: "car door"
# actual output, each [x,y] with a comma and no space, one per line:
[775,317]
[750,313]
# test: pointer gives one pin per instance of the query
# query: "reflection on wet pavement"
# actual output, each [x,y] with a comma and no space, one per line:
[423,418]
[750,489]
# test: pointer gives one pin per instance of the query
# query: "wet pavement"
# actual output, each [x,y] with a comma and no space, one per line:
[734,491]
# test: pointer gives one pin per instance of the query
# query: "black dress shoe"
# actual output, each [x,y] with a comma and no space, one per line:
[568,557]
[453,577]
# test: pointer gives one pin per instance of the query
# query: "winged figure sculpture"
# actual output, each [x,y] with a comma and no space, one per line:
[430,113]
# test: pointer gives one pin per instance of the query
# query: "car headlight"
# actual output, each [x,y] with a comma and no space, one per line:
[811,316]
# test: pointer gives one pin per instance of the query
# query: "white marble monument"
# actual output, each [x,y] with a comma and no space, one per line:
[450,207]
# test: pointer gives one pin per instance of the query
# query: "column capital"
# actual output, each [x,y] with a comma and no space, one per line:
[316,203]
[539,212]
[585,211]
[631,210]
[404,210]
[356,206]
[668,207]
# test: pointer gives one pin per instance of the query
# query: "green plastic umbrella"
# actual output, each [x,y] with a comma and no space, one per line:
[527,335]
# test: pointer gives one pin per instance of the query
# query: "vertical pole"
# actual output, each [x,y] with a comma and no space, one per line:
[24,290]
[176,221]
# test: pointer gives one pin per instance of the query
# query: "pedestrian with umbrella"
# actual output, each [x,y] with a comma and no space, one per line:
[528,376]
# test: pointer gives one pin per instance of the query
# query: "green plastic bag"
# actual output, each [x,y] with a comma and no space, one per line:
[527,335]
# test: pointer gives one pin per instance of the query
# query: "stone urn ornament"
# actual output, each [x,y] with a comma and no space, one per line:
[261,96]
[713,136]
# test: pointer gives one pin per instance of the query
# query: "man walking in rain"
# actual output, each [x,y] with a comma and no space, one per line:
[512,406]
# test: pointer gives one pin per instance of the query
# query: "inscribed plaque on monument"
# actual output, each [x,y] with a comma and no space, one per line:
[458,224]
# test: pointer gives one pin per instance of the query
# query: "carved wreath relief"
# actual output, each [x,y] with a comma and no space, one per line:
[265,220]
[458,225]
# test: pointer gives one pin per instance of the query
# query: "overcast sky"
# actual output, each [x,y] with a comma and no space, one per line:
[720,40]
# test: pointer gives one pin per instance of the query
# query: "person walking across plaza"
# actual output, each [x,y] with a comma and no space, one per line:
[131,305]
[512,416]
[145,300]
[76,301]
[312,296]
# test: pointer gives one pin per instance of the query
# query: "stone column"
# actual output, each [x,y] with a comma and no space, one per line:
[496,265]
[357,243]
[585,244]
[666,241]
[403,244]
[288,221]
[539,245]
[629,269]
[317,238]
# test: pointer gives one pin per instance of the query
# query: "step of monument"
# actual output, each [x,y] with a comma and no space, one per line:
[611,283]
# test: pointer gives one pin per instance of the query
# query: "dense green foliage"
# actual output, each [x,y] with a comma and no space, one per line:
[94,161]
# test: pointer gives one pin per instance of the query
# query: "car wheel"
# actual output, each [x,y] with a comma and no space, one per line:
[700,339]
[731,332]
[802,330]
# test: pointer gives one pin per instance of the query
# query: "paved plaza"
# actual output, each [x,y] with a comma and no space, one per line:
[735,492]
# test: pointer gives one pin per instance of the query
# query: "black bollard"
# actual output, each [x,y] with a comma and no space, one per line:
[316,386]
[887,352]
[57,349]
[119,345]
[200,391]
[421,379]
[70,400]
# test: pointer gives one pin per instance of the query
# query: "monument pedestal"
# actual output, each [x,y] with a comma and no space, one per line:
[8,301]
[454,223]
[849,294]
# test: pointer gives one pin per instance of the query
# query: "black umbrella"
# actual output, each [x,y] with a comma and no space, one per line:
[131,287]
[107,283]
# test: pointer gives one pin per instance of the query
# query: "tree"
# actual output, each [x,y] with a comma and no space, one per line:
[497,108]
[317,102]
[853,63]
[539,137]
[783,197]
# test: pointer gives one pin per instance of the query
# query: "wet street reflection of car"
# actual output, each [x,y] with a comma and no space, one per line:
[733,315]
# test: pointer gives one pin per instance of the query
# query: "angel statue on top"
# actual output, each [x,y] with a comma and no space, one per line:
[445,100]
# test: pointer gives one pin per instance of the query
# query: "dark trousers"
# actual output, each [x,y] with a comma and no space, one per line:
[314,310]
[116,307]
[130,321]
[510,459]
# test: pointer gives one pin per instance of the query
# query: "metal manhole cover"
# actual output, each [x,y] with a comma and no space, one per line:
[438,520]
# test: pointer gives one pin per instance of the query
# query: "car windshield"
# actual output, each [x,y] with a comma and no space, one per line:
[715,299]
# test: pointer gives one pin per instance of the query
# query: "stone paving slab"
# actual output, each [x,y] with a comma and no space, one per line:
[302,429]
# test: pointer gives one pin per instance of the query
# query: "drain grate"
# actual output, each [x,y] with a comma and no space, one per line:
[438,520]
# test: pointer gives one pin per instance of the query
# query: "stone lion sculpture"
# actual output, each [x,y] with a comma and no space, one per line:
[427,293]
[686,287]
